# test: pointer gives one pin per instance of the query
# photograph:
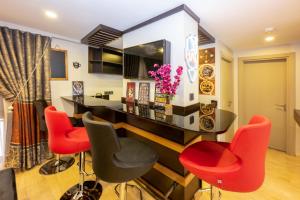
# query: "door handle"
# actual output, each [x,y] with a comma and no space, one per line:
[281,106]
[229,103]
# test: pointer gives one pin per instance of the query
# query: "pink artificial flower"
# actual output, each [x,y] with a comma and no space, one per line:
[162,77]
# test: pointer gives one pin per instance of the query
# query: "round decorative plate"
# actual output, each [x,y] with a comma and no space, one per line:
[207,71]
[207,109]
[207,123]
[207,87]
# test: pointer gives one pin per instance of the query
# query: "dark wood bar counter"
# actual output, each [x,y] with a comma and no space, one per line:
[168,135]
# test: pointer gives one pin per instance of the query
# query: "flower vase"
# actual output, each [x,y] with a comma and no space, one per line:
[168,107]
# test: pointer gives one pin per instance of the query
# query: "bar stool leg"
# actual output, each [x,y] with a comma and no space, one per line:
[79,194]
[123,195]
[87,190]
[81,170]
[211,192]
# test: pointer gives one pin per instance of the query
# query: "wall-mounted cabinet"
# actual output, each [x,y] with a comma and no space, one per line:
[105,60]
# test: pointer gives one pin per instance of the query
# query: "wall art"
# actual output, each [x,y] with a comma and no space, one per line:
[191,56]
[144,93]
[130,93]
[160,99]
[207,71]
[77,88]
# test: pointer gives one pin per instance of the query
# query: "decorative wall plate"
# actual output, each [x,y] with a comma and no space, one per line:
[207,123]
[207,87]
[207,71]
[207,109]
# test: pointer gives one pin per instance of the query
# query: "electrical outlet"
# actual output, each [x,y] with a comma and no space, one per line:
[192,119]
[191,96]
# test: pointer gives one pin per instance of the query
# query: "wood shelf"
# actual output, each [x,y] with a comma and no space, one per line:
[95,60]
[105,60]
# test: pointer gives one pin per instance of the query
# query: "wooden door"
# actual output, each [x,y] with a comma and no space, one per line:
[263,89]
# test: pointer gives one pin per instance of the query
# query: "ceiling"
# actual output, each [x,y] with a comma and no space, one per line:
[239,24]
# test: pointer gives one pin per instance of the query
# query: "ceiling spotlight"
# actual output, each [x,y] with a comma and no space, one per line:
[269,38]
[269,34]
[51,14]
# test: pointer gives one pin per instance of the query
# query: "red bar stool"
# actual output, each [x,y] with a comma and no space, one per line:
[66,139]
[58,164]
[238,166]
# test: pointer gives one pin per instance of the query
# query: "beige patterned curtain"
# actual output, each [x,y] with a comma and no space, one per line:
[24,78]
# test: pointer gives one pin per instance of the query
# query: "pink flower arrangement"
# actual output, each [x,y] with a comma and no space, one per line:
[162,77]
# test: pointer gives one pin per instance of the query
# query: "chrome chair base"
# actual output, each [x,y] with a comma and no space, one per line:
[91,191]
[122,187]
[57,165]
[84,190]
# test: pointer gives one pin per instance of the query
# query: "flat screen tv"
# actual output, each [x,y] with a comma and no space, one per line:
[138,60]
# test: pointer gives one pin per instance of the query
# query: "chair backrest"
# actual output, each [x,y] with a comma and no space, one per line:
[40,106]
[250,145]
[58,125]
[104,144]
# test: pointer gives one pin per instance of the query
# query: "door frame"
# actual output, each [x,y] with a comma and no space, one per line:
[290,93]
[230,60]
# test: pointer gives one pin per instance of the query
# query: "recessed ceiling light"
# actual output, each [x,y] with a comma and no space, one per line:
[269,38]
[51,14]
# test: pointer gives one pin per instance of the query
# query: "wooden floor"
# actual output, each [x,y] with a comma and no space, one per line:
[282,183]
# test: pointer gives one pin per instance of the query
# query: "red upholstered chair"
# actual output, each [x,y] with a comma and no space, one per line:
[238,166]
[63,138]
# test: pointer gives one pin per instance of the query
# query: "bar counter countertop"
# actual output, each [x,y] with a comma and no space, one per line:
[218,122]
[167,135]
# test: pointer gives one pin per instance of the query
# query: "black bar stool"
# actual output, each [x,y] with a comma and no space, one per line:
[117,160]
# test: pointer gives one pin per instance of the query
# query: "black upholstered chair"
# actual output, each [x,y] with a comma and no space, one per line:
[117,160]
[58,164]
[8,189]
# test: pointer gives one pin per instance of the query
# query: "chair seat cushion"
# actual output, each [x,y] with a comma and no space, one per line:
[77,140]
[135,153]
[208,156]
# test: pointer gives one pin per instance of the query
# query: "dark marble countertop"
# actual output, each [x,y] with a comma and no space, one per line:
[89,101]
[297,116]
[217,122]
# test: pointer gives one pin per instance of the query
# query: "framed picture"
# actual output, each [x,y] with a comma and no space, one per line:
[144,93]
[159,99]
[77,88]
[59,64]
[130,93]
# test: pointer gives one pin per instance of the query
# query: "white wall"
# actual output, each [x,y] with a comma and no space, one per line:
[175,29]
[93,83]
[295,48]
